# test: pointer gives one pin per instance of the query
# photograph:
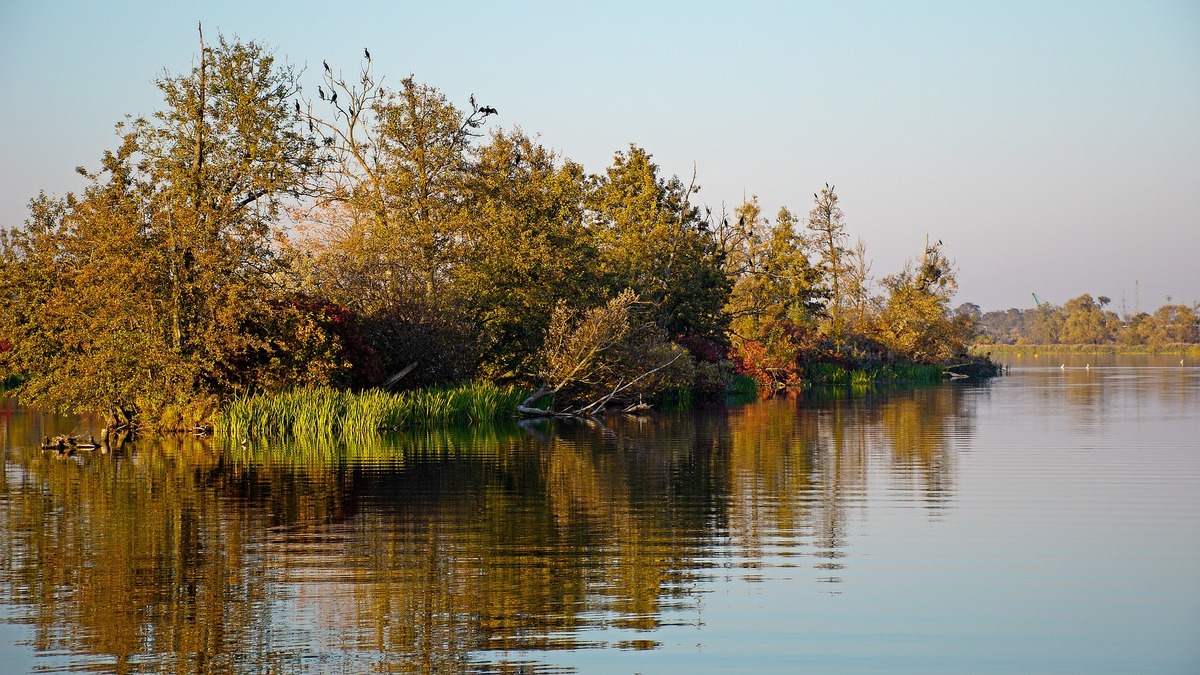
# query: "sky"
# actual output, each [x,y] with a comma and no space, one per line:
[1054,147]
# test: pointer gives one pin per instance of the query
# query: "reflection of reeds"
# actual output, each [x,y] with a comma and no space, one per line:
[330,414]
[320,453]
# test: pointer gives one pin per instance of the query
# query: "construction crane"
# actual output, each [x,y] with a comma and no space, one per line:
[1036,301]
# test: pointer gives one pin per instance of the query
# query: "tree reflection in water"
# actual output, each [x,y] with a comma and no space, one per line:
[439,551]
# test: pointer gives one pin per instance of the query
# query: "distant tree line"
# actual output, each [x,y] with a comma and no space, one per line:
[1087,321]
[250,237]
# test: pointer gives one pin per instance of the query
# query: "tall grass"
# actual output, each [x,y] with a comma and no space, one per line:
[321,413]
[832,374]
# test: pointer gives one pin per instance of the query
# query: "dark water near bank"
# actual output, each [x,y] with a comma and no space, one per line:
[1048,521]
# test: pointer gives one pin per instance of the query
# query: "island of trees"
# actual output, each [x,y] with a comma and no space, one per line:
[253,237]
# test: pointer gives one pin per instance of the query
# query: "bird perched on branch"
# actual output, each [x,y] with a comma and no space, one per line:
[297,107]
[333,97]
[366,53]
[488,110]
[327,68]
[321,93]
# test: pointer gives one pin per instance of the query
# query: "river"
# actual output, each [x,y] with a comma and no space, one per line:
[1045,521]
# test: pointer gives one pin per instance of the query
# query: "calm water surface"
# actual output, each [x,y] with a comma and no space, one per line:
[1047,521]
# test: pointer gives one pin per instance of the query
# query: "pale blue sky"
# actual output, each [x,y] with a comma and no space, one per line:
[1053,146]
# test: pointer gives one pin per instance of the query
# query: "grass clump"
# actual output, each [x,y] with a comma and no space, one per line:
[323,413]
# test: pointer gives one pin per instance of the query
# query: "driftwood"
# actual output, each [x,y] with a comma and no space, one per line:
[593,408]
[391,381]
[969,369]
[64,443]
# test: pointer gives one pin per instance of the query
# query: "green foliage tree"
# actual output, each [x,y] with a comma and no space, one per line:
[652,240]
[527,248]
[828,226]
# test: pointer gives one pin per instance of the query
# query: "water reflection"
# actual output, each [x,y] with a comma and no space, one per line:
[446,551]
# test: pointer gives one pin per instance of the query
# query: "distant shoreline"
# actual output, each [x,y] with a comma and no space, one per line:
[1014,350]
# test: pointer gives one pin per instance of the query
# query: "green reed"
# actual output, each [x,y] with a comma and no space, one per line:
[322,413]
[831,374]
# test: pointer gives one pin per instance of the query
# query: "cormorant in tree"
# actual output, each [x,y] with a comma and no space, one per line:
[327,68]
[333,98]
[297,107]
[321,93]
[488,110]
[366,53]
[310,126]
[473,106]
[350,111]
[741,222]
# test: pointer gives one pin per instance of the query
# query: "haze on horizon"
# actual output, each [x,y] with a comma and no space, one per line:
[1054,147]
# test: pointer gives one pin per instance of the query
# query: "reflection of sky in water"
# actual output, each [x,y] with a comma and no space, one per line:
[1047,521]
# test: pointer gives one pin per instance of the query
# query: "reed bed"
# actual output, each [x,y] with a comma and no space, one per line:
[830,374]
[325,414]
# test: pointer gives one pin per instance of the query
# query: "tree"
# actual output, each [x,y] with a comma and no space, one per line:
[1174,324]
[652,240]
[1044,325]
[827,222]
[1083,322]
[775,297]
[164,290]
[593,357]
[527,249]
[392,225]
[916,322]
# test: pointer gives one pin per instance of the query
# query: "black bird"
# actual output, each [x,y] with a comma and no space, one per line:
[366,53]
[473,106]
[350,111]
[310,126]
[327,68]
[333,98]
[297,107]
[321,93]
[488,110]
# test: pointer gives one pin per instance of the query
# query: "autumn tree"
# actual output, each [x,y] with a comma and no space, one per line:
[916,322]
[604,354]
[389,229]
[775,298]
[1084,322]
[158,290]
[1173,324]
